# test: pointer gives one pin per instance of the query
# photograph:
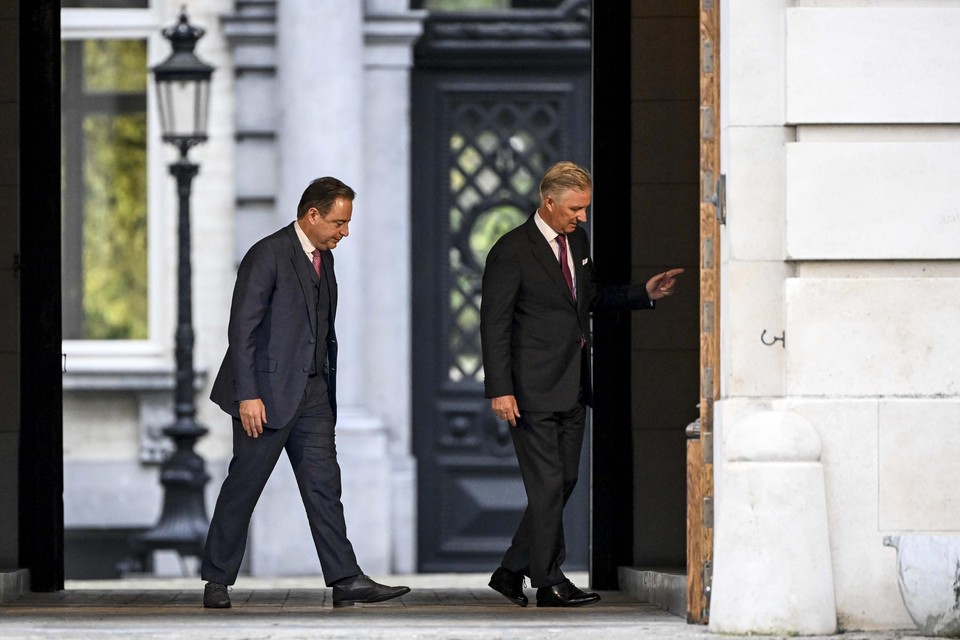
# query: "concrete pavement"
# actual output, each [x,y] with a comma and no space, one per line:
[449,607]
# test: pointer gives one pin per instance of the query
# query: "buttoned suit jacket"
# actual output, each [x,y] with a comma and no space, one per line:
[273,329]
[530,326]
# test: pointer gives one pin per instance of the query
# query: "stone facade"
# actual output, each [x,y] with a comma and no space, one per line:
[302,88]
[840,142]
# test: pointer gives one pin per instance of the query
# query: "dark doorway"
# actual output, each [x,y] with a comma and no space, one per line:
[497,98]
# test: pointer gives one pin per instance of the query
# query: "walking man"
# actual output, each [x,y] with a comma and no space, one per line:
[538,291]
[278,382]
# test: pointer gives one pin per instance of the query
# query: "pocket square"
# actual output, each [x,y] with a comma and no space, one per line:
[584,261]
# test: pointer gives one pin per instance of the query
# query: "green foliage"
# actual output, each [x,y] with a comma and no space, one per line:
[115,66]
[115,227]
[466,5]
[113,200]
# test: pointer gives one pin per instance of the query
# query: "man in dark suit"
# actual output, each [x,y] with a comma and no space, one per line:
[538,291]
[278,382]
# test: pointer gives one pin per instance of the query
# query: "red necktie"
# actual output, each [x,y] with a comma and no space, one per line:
[316,261]
[562,243]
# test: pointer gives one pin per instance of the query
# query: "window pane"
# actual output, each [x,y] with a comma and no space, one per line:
[115,227]
[105,4]
[115,66]
[104,188]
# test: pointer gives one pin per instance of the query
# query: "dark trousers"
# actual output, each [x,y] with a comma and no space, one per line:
[309,440]
[548,450]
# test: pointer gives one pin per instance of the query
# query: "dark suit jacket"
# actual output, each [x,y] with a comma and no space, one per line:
[530,327]
[273,329]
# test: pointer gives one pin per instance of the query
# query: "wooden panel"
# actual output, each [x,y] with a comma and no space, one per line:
[700,472]
[893,200]
[872,65]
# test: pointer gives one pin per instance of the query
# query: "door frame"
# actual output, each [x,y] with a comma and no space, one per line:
[700,434]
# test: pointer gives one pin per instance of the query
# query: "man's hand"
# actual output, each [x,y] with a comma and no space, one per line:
[662,284]
[253,416]
[505,408]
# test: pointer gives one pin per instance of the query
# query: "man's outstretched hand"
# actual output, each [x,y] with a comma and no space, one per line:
[663,284]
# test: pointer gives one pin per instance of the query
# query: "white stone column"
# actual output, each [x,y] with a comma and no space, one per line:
[320,80]
[390,31]
[772,561]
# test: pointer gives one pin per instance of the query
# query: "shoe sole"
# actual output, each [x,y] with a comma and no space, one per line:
[516,601]
[216,606]
[568,605]
[373,600]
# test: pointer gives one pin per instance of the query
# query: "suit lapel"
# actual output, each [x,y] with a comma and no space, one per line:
[330,281]
[543,252]
[303,269]
[578,253]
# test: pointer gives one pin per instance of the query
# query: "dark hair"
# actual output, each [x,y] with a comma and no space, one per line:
[321,194]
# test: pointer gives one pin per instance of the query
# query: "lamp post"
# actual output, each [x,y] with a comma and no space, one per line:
[183,90]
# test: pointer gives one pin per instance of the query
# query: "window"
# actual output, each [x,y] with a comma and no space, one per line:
[112,173]
[104,175]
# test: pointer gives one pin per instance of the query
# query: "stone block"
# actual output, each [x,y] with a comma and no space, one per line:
[919,445]
[755,169]
[666,54]
[9,500]
[863,571]
[752,294]
[256,168]
[256,101]
[9,73]
[772,564]
[9,143]
[872,336]
[752,72]
[872,201]
[657,155]
[872,65]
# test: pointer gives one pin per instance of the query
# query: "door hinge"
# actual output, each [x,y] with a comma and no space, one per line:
[706,56]
[706,577]
[706,123]
[708,252]
[707,391]
[708,317]
[708,187]
[706,443]
[707,513]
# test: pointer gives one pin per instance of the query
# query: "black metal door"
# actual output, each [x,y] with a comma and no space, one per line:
[497,100]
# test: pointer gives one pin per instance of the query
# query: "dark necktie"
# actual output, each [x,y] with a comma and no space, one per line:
[316,261]
[562,243]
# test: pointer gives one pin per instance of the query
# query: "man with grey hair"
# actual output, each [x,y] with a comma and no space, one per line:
[539,288]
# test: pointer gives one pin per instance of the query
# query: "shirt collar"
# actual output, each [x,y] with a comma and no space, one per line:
[302,237]
[545,229]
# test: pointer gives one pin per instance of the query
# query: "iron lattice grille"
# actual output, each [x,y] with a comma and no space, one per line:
[498,149]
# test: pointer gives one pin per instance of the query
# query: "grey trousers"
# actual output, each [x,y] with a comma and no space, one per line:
[309,440]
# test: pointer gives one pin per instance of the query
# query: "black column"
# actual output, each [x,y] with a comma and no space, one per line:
[612,463]
[41,380]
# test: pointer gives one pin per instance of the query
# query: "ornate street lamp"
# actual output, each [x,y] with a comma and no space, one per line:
[183,89]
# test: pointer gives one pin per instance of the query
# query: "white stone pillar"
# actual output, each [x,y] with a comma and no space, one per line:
[390,31]
[320,80]
[772,563]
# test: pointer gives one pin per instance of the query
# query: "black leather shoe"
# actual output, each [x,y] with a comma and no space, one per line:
[216,596]
[509,584]
[564,594]
[364,589]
